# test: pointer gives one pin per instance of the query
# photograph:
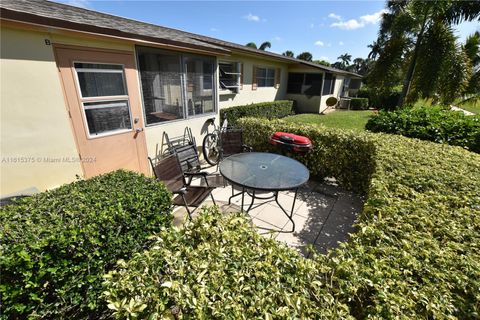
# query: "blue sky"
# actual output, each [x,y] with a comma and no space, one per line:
[326,29]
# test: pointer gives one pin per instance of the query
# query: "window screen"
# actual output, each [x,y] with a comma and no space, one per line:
[295,82]
[313,84]
[175,85]
[265,77]
[328,84]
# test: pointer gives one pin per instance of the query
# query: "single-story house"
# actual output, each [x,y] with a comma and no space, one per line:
[83,92]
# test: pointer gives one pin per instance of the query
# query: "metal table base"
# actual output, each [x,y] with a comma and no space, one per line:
[274,196]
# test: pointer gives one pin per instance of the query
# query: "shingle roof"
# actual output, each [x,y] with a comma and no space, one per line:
[61,15]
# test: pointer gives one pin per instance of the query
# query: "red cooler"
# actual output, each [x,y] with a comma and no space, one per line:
[290,142]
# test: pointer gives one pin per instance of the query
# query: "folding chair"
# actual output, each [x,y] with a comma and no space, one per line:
[168,171]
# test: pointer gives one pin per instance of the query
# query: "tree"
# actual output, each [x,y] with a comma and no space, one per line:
[375,49]
[307,56]
[345,60]
[472,50]
[322,62]
[288,53]
[361,66]
[265,45]
[417,43]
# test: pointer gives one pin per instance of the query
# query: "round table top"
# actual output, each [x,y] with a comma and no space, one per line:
[264,171]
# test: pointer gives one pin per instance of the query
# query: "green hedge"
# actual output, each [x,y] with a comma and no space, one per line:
[55,246]
[359,104]
[346,155]
[415,254]
[219,268]
[430,123]
[267,110]
[379,98]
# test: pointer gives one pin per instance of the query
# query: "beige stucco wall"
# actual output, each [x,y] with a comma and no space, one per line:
[37,144]
[246,95]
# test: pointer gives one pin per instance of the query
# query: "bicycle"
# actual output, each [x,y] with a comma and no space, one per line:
[211,142]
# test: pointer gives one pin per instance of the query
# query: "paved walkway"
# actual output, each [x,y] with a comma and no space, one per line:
[323,215]
[467,113]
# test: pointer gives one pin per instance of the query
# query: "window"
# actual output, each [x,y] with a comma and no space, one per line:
[104,98]
[265,77]
[175,86]
[304,83]
[329,86]
[230,74]
[295,82]
[346,84]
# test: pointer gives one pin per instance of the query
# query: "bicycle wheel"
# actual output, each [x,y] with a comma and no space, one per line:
[210,149]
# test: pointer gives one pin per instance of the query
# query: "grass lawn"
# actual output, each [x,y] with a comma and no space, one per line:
[354,120]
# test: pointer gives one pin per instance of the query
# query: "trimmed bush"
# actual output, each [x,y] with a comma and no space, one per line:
[359,104]
[415,255]
[55,246]
[219,267]
[381,99]
[343,154]
[268,110]
[430,123]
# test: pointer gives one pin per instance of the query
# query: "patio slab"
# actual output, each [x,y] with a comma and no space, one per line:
[324,215]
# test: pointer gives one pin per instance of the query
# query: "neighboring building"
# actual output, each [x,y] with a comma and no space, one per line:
[83,93]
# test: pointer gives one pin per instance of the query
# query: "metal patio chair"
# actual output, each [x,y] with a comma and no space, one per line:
[190,163]
[231,142]
[168,171]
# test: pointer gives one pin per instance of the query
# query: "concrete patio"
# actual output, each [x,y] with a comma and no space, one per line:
[324,214]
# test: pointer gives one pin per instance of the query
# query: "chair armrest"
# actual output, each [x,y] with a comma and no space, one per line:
[196,173]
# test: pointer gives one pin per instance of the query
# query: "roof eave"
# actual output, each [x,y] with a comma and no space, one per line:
[63,24]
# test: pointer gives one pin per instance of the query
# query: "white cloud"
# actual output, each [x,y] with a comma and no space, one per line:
[214,29]
[353,24]
[340,43]
[373,18]
[79,3]
[251,17]
[319,43]
[277,38]
[335,16]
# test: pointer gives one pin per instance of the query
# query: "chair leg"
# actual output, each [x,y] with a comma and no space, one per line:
[213,199]
[186,207]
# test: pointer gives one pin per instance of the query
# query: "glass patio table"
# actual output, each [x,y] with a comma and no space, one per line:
[259,172]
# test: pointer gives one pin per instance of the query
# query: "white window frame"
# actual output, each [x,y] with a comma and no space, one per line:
[83,100]
[266,77]
[230,88]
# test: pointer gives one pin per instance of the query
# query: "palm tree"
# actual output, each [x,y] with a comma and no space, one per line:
[345,60]
[307,56]
[288,53]
[472,50]
[375,49]
[416,36]
[265,45]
